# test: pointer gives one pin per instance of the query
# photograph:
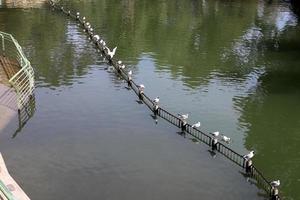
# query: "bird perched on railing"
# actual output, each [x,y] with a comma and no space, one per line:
[275,183]
[96,38]
[111,53]
[196,125]
[225,138]
[156,100]
[130,73]
[249,155]
[86,25]
[183,116]
[121,66]
[215,134]
[141,87]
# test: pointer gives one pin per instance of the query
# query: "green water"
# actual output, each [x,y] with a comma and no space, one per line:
[233,65]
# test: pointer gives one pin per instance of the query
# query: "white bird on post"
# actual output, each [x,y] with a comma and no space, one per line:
[275,183]
[156,100]
[183,116]
[196,125]
[111,53]
[141,87]
[216,133]
[96,38]
[249,155]
[122,66]
[130,73]
[225,138]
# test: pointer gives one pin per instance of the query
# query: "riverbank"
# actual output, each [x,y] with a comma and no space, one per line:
[23,3]
[8,106]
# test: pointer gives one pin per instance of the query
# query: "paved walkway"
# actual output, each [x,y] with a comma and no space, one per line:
[8,105]
[13,187]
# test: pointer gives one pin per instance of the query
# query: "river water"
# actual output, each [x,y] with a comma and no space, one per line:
[233,65]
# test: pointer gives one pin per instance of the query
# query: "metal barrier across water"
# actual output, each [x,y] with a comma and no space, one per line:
[23,80]
[235,157]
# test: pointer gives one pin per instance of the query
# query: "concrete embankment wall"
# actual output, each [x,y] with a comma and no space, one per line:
[23,3]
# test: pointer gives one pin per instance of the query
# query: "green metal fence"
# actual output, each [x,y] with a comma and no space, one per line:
[23,80]
[5,192]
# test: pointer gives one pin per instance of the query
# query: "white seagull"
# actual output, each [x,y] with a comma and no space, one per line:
[87,24]
[119,62]
[111,53]
[130,73]
[122,67]
[183,116]
[216,133]
[275,183]
[249,155]
[141,86]
[156,100]
[197,125]
[96,38]
[225,138]
[78,13]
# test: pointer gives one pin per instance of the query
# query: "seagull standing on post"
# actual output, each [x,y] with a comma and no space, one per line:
[216,133]
[111,53]
[183,116]
[249,155]
[96,38]
[197,125]
[225,138]
[156,100]
[275,183]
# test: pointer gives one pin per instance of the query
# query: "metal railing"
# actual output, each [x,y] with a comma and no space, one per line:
[23,80]
[185,127]
[6,193]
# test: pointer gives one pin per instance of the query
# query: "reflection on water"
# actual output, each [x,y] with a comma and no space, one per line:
[232,64]
[24,3]
[25,114]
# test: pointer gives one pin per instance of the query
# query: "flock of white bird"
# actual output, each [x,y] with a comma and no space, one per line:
[141,87]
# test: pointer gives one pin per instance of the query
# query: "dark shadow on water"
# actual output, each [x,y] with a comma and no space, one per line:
[212,153]
[155,118]
[25,114]
[139,101]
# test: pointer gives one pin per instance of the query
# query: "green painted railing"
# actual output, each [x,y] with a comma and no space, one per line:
[23,80]
[5,191]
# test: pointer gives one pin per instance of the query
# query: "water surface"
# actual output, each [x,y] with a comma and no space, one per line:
[233,65]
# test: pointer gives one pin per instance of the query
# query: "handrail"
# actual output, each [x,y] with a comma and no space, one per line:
[237,158]
[23,80]
[5,191]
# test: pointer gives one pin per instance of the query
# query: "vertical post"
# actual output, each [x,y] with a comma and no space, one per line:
[183,126]
[19,118]
[3,45]
[274,193]
[141,94]
[155,109]
[129,81]
[214,144]
[249,166]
